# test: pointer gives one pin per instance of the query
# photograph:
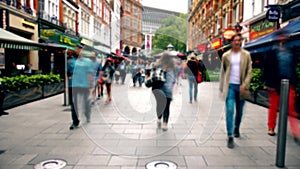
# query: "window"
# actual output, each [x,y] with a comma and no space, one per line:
[135,10]
[235,16]
[217,25]
[127,6]
[97,27]
[224,19]
[127,21]
[203,14]
[127,35]
[85,23]
[135,24]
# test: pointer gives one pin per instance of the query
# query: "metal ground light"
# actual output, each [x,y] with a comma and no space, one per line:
[161,165]
[51,164]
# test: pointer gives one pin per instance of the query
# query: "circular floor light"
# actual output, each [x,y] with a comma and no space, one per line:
[51,164]
[161,165]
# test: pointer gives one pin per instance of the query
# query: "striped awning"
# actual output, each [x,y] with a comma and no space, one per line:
[12,41]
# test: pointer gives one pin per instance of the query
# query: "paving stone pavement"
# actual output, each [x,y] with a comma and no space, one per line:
[124,134]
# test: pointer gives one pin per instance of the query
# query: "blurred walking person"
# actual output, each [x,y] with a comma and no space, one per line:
[235,77]
[97,67]
[164,95]
[108,71]
[82,84]
[282,66]
[192,70]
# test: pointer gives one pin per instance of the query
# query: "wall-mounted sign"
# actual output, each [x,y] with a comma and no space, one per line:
[58,37]
[261,28]
[273,15]
[28,24]
[228,33]
[216,43]
[4,19]
[86,42]
[202,48]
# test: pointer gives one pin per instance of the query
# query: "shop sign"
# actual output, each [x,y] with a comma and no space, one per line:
[58,37]
[273,15]
[4,21]
[28,24]
[262,28]
[202,48]
[86,42]
[228,33]
[216,43]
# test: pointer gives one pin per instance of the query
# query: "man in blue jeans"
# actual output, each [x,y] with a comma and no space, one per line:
[82,84]
[235,77]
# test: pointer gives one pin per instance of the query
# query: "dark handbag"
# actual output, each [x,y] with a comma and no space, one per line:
[199,77]
[157,79]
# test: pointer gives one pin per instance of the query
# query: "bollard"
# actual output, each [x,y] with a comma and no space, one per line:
[282,126]
[66,92]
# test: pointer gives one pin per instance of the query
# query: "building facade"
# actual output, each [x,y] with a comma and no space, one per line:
[152,20]
[209,20]
[19,17]
[102,35]
[131,27]
[115,25]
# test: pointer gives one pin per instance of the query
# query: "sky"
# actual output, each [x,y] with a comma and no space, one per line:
[170,5]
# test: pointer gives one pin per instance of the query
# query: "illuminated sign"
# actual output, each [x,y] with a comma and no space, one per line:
[59,37]
[86,42]
[262,28]
[273,15]
[228,34]
[216,43]
[202,48]
[28,24]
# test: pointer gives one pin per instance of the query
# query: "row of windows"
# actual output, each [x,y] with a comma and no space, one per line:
[69,17]
[98,8]
[85,22]
[131,36]
[132,22]
[136,10]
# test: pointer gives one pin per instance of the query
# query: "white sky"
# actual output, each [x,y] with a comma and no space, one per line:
[170,5]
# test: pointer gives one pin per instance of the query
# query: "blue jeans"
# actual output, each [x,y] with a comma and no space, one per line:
[233,97]
[193,85]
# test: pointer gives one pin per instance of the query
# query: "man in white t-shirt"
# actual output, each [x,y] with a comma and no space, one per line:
[235,77]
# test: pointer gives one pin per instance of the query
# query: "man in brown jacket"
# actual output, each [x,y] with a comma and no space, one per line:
[235,77]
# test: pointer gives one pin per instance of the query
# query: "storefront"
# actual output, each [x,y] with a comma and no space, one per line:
[23,27]
[52,58]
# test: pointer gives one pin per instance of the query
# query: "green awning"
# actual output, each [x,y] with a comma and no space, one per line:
[12,41]
[56,45]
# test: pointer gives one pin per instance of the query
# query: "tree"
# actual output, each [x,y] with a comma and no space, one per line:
[172,31]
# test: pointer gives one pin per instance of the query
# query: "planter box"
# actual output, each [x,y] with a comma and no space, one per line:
[262,98]
[53,89]
[15,98]
[252,98]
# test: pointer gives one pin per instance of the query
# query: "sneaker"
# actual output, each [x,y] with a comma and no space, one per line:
[230,143]
[164,127]
[271,132]
[158,123]
[236,132]
[73,126]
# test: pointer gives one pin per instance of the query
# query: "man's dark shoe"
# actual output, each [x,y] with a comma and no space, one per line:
[73,126]
[236,132]
[4,113]
[230,143]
